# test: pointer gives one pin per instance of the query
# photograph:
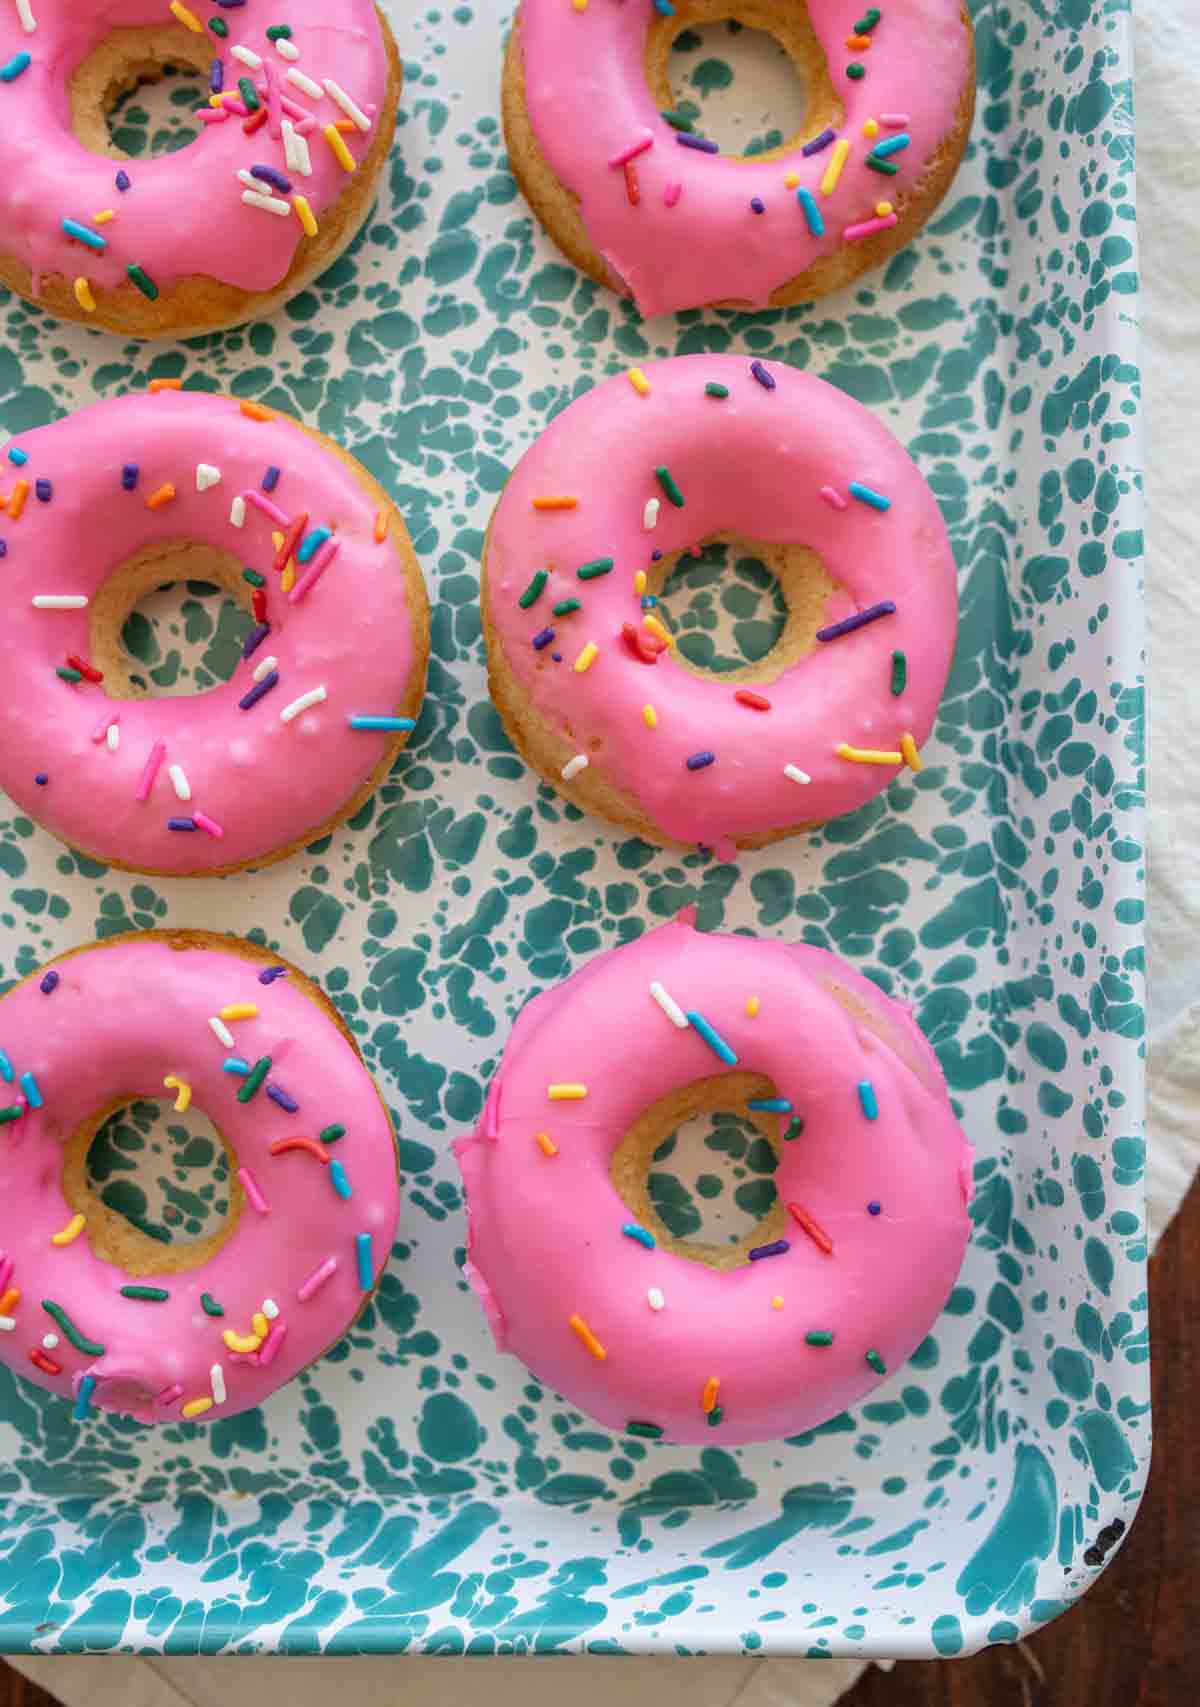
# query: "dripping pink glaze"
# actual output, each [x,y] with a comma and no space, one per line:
[263,781]
[183,213]
[545,1237]
[710,246]
[122,1019]
[755,464]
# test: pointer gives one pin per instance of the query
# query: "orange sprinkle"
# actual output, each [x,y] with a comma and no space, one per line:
[588,1337]
[381,526]
[777,1302]
[16,500]
[858,44]
[752,1005]
[165,493]
[632,187]
[345,126]
[555,503]
[166,385]
[257,411]
[817,1234]
[10,1301]
[546,1144]
[708,1399]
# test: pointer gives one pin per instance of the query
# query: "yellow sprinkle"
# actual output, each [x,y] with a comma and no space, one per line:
[792,180]
[103,217]
[871,128]
[183,1092]
[261,1325]
[833,171]
[649,717]
[381,527]
[584,660]
[908,748]
[546,1144]
[180,11]
[882,209]
[257,411]
[276,538]
[555,503]
[867,755]
[708,1399]
[216,100]
[656,627]
[84,297]
[639,582]
[777,1302]
[165,493]
[245,1343]
[195,1407]
[337,145]
[588,1337]
[566,1093]
[752,1006]
[639,382]
[70,1232]
[240,1010]
[305,215]
[288,579]
[580,5]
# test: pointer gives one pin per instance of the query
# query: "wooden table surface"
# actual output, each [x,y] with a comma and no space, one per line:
[1132,1641]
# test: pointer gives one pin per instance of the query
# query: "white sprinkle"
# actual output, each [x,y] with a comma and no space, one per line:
[237,512]
[573,766]
[350,107]
[59,601]
[669,1005]
[295,150]
[112,737]
[247,56]
[655,1299]
[268,204]
[270,1309]
[7,1324]
[179,782]
[265,668]
[217,1376]
[650,515]
[314,696]
[306,83]
[25,13]
[206,476]
[796,774]
[221,1031]
[50,1342]
[286,48]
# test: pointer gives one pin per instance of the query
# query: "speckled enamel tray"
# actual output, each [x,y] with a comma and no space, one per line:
[416,1491]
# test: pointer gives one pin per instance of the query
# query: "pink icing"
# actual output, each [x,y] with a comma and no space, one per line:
[261,781]
[546,1236]
[754,463]
[183,213]
[693,236]
[123,1017]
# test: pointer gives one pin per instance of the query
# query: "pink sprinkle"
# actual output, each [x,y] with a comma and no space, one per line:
[632,152]
[142,791]
[233,105]
[105,724]
[832,497]
[303,123]
[294,110]
[211,115]
[314,571]
[6,1268]
[894,121]
[272,1343]
[852,233]
[263,503]
[169,1395]
[206,823]
[672,194]
[491,1114]
[274,113]
[317,1279]
[250,1187]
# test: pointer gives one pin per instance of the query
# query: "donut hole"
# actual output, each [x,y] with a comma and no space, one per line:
[750,74]
[170,621]
[159,1189]
[696,1170]
[136,93]
[743,609]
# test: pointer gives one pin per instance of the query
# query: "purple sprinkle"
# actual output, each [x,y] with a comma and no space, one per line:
[773,1250]
[255,638]
[819,142]
[758,204]
[542,640]
[3,548]
[44,490]
[123,180]
[765,379]
[258,690]
[181,823]
[49,984]
[701,761]
[656,557]
[270,479]
[287,1102]
[874,1208]
[557,657]
[685,139]
[270,973]
[42,778]
[129,476]
[886,607]
[269,175]
[216,77]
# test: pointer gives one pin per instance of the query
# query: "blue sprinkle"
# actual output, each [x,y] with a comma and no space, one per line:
[361,721]
[30,1086]
[255,638]
[713,1038]
[269,974]
[874,1208]
[362,1247]
[13,69]
[892,145]
[270,479]
[92,239]
[649,602]
[123,180]
[765,379]
[42,778]
[632,1231]
[43,491]
[235,1064]
[49,983]
[775,1249]
[216,77]
[129,476]
[686,139]
[557,657]
[772,1105]
[285,1099]
[664,8]
[819,142]
[311,543]
[181,823]
[700,761]
[812,213]
[865,495]
[6,1069]
[866,1095]
[83,1399]
[542,640]
[17,455]
[341,1184]
[656,557]
[758,205]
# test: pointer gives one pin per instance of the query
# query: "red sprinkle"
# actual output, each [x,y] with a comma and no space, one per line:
[646,647]
[816,1233]
[255,119]
[258,599]
[46,1364]
[291,540]
[632,187]
[755,701]
[281,1146]
[89,672]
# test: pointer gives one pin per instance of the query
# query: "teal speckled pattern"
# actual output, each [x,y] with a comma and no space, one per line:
[415,1490]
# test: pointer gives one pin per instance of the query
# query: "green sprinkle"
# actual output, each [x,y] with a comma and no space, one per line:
[143,281]
[667,481]
[534,590]
[210,1306]
[564,607]
[598,566]
[254,578]
[68,674]
[331,1134]
[863,27]
[899,673]
[254,1078]
[249,94]
[14,1112]
[819,1336]
[218,26]
[89,1348]
[677,120]
[146,1294]
[877,1363]
[715,1417]
[276,31]
[649,1431]
[854,72]
[795,1127]
[884,166]
[712,389]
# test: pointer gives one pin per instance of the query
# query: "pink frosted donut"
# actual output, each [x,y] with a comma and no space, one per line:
[873,1180]
[314,1202]
[656,461]
[100,508]
[655,210]
[283,173]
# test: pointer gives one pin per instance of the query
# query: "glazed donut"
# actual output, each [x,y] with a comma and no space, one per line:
[279,180]
[587,678]
[580,1278]
[96,1310]
[108,504]
[640,201]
